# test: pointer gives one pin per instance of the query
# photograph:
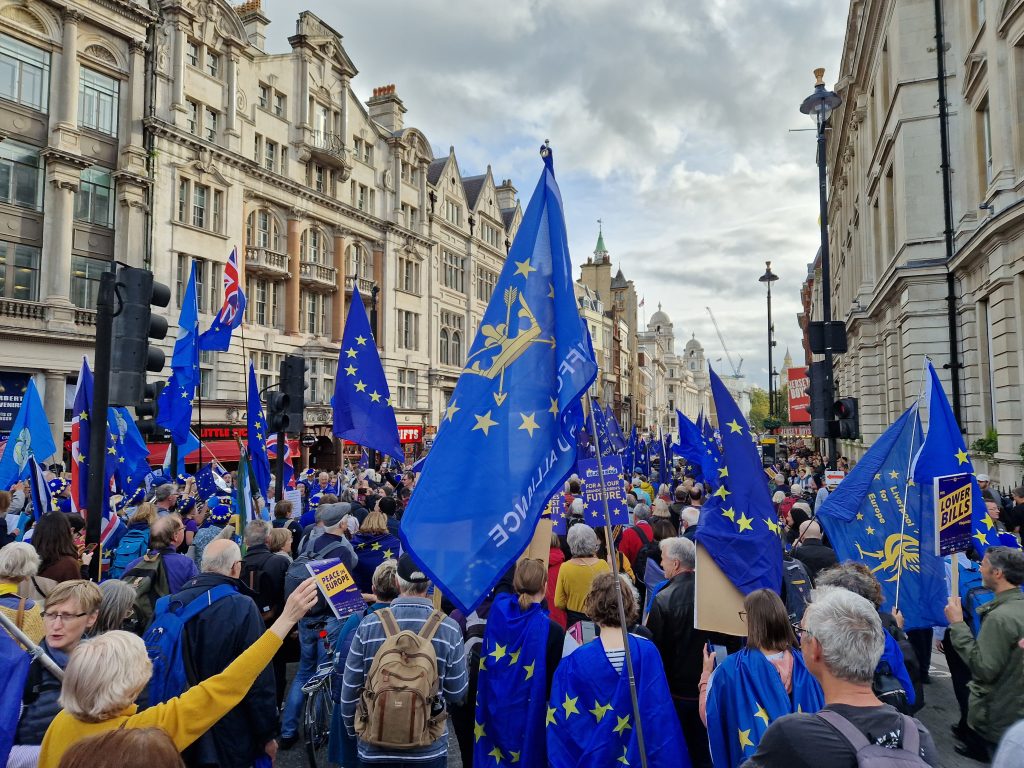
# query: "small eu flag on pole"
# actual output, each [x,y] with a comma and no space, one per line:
[175,404]
[511,412]
[30,436]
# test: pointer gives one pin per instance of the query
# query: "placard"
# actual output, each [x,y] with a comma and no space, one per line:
[294,495]
[954,499]
[833,477]
[718,605]
[337,586]
[594,491]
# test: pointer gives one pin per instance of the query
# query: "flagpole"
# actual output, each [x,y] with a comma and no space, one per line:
[618,591]
[199,400]
[906,488]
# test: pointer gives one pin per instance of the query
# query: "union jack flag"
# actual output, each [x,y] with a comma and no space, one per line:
[80,438]
[289,467]
[218,338]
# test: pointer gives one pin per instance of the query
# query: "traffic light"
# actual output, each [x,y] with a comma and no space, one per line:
[293,384]
[278,419]
[134,325]
[147,407]
[845,410]
[820,407]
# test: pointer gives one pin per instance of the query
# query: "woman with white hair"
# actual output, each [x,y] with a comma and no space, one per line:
[20,562]
[106,675]
[577,574]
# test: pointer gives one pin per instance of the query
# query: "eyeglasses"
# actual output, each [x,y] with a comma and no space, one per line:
[64,617]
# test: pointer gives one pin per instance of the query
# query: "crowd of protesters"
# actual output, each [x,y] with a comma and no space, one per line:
[831,671]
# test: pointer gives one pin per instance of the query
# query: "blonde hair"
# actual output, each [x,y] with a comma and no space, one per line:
[18,561]
[85,593]
[374,522]
[144,513]
[279,539]
[530,578]
[104,676]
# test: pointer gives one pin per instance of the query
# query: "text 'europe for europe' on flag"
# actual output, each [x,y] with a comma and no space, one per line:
[508,433]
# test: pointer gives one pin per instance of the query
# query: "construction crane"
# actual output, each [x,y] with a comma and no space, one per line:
[735,368]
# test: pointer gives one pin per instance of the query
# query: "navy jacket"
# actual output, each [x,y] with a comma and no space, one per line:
[216,637]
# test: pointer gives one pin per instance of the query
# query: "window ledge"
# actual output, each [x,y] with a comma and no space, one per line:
[194,228]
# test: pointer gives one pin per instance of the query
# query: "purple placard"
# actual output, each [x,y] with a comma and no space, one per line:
[337,586]
[613,487]
[953,504]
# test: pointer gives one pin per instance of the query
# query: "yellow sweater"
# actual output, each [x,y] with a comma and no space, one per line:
[31,619]
[574,580]
[184,718]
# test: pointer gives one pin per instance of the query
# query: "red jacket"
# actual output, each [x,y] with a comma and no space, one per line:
[630,542]
[555,559]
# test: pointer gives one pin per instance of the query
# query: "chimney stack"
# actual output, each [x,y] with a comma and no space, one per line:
[386,108]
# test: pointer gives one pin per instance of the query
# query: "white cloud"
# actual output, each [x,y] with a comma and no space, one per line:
[669,120]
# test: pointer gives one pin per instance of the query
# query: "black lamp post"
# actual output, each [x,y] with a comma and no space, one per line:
[768,278]
[819,106]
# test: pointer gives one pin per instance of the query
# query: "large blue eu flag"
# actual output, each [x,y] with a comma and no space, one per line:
[629,455]
[30,436]
[691,444]
[363,412]
[129,464]
[738,525]
[590,719]
[944,453]
[746,695]
[508,433]
[174,407]
[876,516]
[512,686]
[618,440]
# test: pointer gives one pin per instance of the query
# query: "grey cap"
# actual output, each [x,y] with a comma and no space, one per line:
[331,514]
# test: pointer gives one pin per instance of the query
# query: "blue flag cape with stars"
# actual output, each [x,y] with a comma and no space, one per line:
[508,433]
[864,518]
[746,695]
[738,524]
[590,720]
[362,401]
[512,686]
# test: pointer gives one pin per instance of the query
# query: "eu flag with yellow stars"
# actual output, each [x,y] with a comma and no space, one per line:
[876,517]
[738,525]
[512,686]
[944,453]
[509,432]
[362,401]
[746,695]
[691,445]
[256,434]
[590,719]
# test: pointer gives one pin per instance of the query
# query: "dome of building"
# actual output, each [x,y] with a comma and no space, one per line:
[659,318]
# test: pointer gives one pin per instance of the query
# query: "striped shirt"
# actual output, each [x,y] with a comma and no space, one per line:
[616,657]
[410,613]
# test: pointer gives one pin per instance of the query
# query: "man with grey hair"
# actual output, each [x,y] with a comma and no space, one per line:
[165,498]
[841,642]
[216,637]
[995,657]
[681,645]
[410,611]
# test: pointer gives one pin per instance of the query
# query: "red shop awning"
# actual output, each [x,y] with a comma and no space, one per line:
[225,451]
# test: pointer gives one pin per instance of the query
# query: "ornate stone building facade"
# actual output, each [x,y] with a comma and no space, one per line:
[271,153]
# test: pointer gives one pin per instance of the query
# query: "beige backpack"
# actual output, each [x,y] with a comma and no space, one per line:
[400,706]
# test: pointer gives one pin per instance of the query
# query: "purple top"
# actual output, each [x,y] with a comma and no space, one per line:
[180,568]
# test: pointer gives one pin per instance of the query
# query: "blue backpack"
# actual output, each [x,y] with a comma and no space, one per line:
[166,642]
[132,546]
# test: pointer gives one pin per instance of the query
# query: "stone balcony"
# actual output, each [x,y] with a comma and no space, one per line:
[266,262]
[37,317]
[318,275]
[330,148]
[365,286]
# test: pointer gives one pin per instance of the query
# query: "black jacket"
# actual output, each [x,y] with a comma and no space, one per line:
[816,556]
[216,637]
[39,701]
[681,646]
[263,572]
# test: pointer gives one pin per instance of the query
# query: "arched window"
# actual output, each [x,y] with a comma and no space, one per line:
[359,262]
[313,245]
[443,347]
[262,231]
[456,354]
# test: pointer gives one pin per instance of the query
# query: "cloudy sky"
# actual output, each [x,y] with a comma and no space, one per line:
[670,121]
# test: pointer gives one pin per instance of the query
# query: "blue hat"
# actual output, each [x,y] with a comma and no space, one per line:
[186,504]
[131,499]
[314,501]
[220,513]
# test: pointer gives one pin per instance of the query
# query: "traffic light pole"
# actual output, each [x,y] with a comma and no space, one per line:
[826,293]
[279,466]
[98,420]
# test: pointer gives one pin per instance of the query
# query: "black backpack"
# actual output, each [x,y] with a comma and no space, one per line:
[149,580]
[255,576]
[796,588]
[888,688]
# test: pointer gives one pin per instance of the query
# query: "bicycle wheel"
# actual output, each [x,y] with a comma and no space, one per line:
[317,711]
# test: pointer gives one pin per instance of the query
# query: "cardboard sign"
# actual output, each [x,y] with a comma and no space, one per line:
[613,488]
[294,495]
[337,586]
[718,605]
[954,499]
